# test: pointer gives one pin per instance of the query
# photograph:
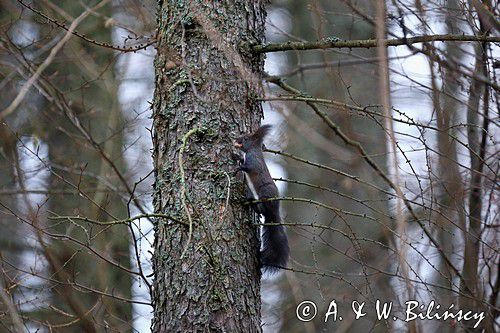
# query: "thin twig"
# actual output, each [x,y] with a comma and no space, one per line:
[123,49]
[24,90]
[124,221]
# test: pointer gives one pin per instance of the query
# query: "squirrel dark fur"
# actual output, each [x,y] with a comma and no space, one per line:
[260,185]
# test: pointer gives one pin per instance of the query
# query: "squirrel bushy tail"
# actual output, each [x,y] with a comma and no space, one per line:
[275,249]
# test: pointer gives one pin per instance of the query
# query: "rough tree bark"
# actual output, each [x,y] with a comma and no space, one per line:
[207,279]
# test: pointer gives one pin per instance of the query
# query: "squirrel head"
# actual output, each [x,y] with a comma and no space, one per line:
[247,142]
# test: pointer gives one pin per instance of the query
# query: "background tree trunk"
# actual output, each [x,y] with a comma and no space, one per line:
[205,89]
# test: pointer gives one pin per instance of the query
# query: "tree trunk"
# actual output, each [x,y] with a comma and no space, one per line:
[206,279]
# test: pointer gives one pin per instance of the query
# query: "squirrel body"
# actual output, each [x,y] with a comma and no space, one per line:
[260,186]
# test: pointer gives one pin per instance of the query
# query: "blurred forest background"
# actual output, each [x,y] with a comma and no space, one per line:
[356,130]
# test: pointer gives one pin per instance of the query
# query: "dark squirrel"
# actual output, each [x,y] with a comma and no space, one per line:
[260,185]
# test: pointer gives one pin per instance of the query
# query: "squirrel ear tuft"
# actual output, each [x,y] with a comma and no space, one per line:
[261,133]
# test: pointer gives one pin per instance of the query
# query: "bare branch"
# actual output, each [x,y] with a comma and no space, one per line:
[335,43]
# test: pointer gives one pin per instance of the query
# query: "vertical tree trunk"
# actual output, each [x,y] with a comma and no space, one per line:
[470,286]
[207,279]
[449,184]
